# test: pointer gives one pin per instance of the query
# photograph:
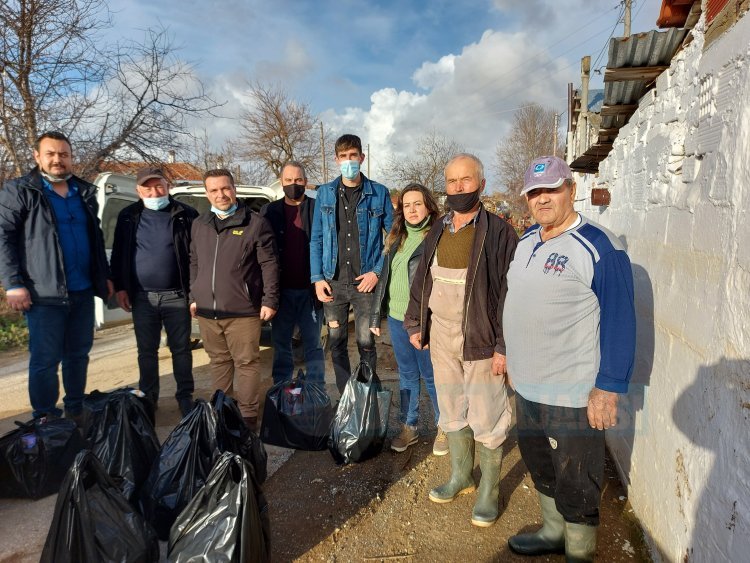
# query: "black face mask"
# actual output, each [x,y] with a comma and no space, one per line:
[463,202]
[294,191]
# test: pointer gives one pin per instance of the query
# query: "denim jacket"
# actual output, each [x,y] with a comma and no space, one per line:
[374,218]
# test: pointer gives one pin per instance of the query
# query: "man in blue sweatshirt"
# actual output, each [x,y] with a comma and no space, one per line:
[569,326]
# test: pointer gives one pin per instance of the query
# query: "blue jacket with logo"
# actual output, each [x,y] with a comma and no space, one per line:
[374,218]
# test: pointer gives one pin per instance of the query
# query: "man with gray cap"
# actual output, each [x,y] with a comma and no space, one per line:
[569,328]
[151,270]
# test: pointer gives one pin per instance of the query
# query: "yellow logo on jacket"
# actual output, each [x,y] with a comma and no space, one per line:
[237,232]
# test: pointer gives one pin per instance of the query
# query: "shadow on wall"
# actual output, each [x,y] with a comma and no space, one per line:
[621,439]
[714,414]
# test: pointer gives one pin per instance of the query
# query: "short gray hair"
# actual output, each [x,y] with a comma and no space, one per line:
[294,164]
[473,158]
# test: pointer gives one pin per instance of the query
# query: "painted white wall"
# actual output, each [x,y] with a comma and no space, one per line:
[679,175]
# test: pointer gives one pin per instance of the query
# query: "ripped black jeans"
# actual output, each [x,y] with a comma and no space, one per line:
[337,314]
[564,456]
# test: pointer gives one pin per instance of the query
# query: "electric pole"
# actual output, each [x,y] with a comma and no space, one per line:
[323,153]
[368,160]
[554,136]
[626,19]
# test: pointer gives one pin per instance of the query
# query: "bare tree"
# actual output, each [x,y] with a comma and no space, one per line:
[130,99]
[426,166]
[205,155]
[278,128]
[532,135]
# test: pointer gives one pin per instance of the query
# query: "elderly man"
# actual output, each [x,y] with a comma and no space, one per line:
[234,286]
[352,214]
[151,271]
[569,327]
[456,307]
[52,264]
[291,220]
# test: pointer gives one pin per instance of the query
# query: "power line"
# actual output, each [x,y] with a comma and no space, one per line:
[606,43]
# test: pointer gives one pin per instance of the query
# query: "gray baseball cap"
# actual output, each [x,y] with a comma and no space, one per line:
[546,172]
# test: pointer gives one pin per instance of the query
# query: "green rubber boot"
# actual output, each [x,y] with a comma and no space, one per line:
[550,538]
[580,543]
[485,511]
[461,446]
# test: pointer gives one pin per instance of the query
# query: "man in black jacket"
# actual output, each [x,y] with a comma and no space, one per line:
[234,286]
[291,219]
[52,264]
[456,307]
[151,271]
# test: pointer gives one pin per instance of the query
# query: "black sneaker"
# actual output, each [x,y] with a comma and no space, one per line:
[75,417]
[186,405]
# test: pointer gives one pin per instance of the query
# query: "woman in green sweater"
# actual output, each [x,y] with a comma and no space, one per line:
[415,212]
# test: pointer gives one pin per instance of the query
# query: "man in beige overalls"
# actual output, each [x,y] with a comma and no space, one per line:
[456,309]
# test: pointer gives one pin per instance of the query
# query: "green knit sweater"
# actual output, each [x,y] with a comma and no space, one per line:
[398,284]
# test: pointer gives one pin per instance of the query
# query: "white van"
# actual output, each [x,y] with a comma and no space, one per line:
[117,192]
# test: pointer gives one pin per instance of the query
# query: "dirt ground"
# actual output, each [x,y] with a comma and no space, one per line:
[374,511]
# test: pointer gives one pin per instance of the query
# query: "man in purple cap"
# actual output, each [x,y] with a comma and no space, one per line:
[151,270]
[569,328]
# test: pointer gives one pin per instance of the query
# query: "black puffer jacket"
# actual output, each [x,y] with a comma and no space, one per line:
[30,253]
[486,285]
[380,301]
[123,248]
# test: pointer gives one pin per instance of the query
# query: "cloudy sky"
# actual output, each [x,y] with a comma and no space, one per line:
[391,70]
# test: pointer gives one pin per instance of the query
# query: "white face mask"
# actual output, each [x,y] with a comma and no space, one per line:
[156,203]
[52,179]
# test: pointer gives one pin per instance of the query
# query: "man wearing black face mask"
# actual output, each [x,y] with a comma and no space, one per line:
[291,219]
[456,308]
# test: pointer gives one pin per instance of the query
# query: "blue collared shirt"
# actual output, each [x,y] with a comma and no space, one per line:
[448,222]
[73,234]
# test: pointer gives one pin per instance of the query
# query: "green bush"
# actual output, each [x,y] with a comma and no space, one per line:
[13,332]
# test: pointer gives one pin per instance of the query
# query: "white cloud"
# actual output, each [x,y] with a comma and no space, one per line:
[470,99]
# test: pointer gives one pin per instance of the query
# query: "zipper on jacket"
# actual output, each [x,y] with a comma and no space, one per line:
[242,258]
[213,274]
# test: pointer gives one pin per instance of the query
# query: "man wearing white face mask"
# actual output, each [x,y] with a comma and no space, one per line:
[151,270]
[351,216]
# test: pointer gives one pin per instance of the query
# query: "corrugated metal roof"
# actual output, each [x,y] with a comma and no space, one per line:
[649,49]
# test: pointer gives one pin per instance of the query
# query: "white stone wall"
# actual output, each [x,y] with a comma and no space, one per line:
[679,175]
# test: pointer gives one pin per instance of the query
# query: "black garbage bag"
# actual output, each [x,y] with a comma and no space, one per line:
[361,421]
[35,457]
[181,468]
[297,414]
[234,436]
[226,521]
[121,434]
[94,522]
[94,403]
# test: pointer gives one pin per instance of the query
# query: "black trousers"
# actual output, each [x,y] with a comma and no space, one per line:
[565,457]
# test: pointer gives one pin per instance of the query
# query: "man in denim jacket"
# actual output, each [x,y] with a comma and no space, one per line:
[352,214]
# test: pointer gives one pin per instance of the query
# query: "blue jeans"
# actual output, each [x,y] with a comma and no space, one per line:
[64,334]
[412,364]
[151,310]
[296,308]
[337,312]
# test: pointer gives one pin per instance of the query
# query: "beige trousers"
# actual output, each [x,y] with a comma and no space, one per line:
[467,392]
[233,349]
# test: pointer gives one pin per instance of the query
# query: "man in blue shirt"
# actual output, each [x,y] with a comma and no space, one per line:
[352,213]
[52,264]
[569,326]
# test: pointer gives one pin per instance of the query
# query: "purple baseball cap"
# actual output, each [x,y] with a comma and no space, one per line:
[546,172]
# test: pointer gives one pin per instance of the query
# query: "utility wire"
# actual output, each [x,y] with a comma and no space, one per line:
[606,43]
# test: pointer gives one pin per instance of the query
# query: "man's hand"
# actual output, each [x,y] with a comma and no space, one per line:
[266,313]
[110,289]
[323,291]
[416,341]
[602,409]
[193,310]
[19,299]
[375,330]
[123,300]
[367,282]
[498,365]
